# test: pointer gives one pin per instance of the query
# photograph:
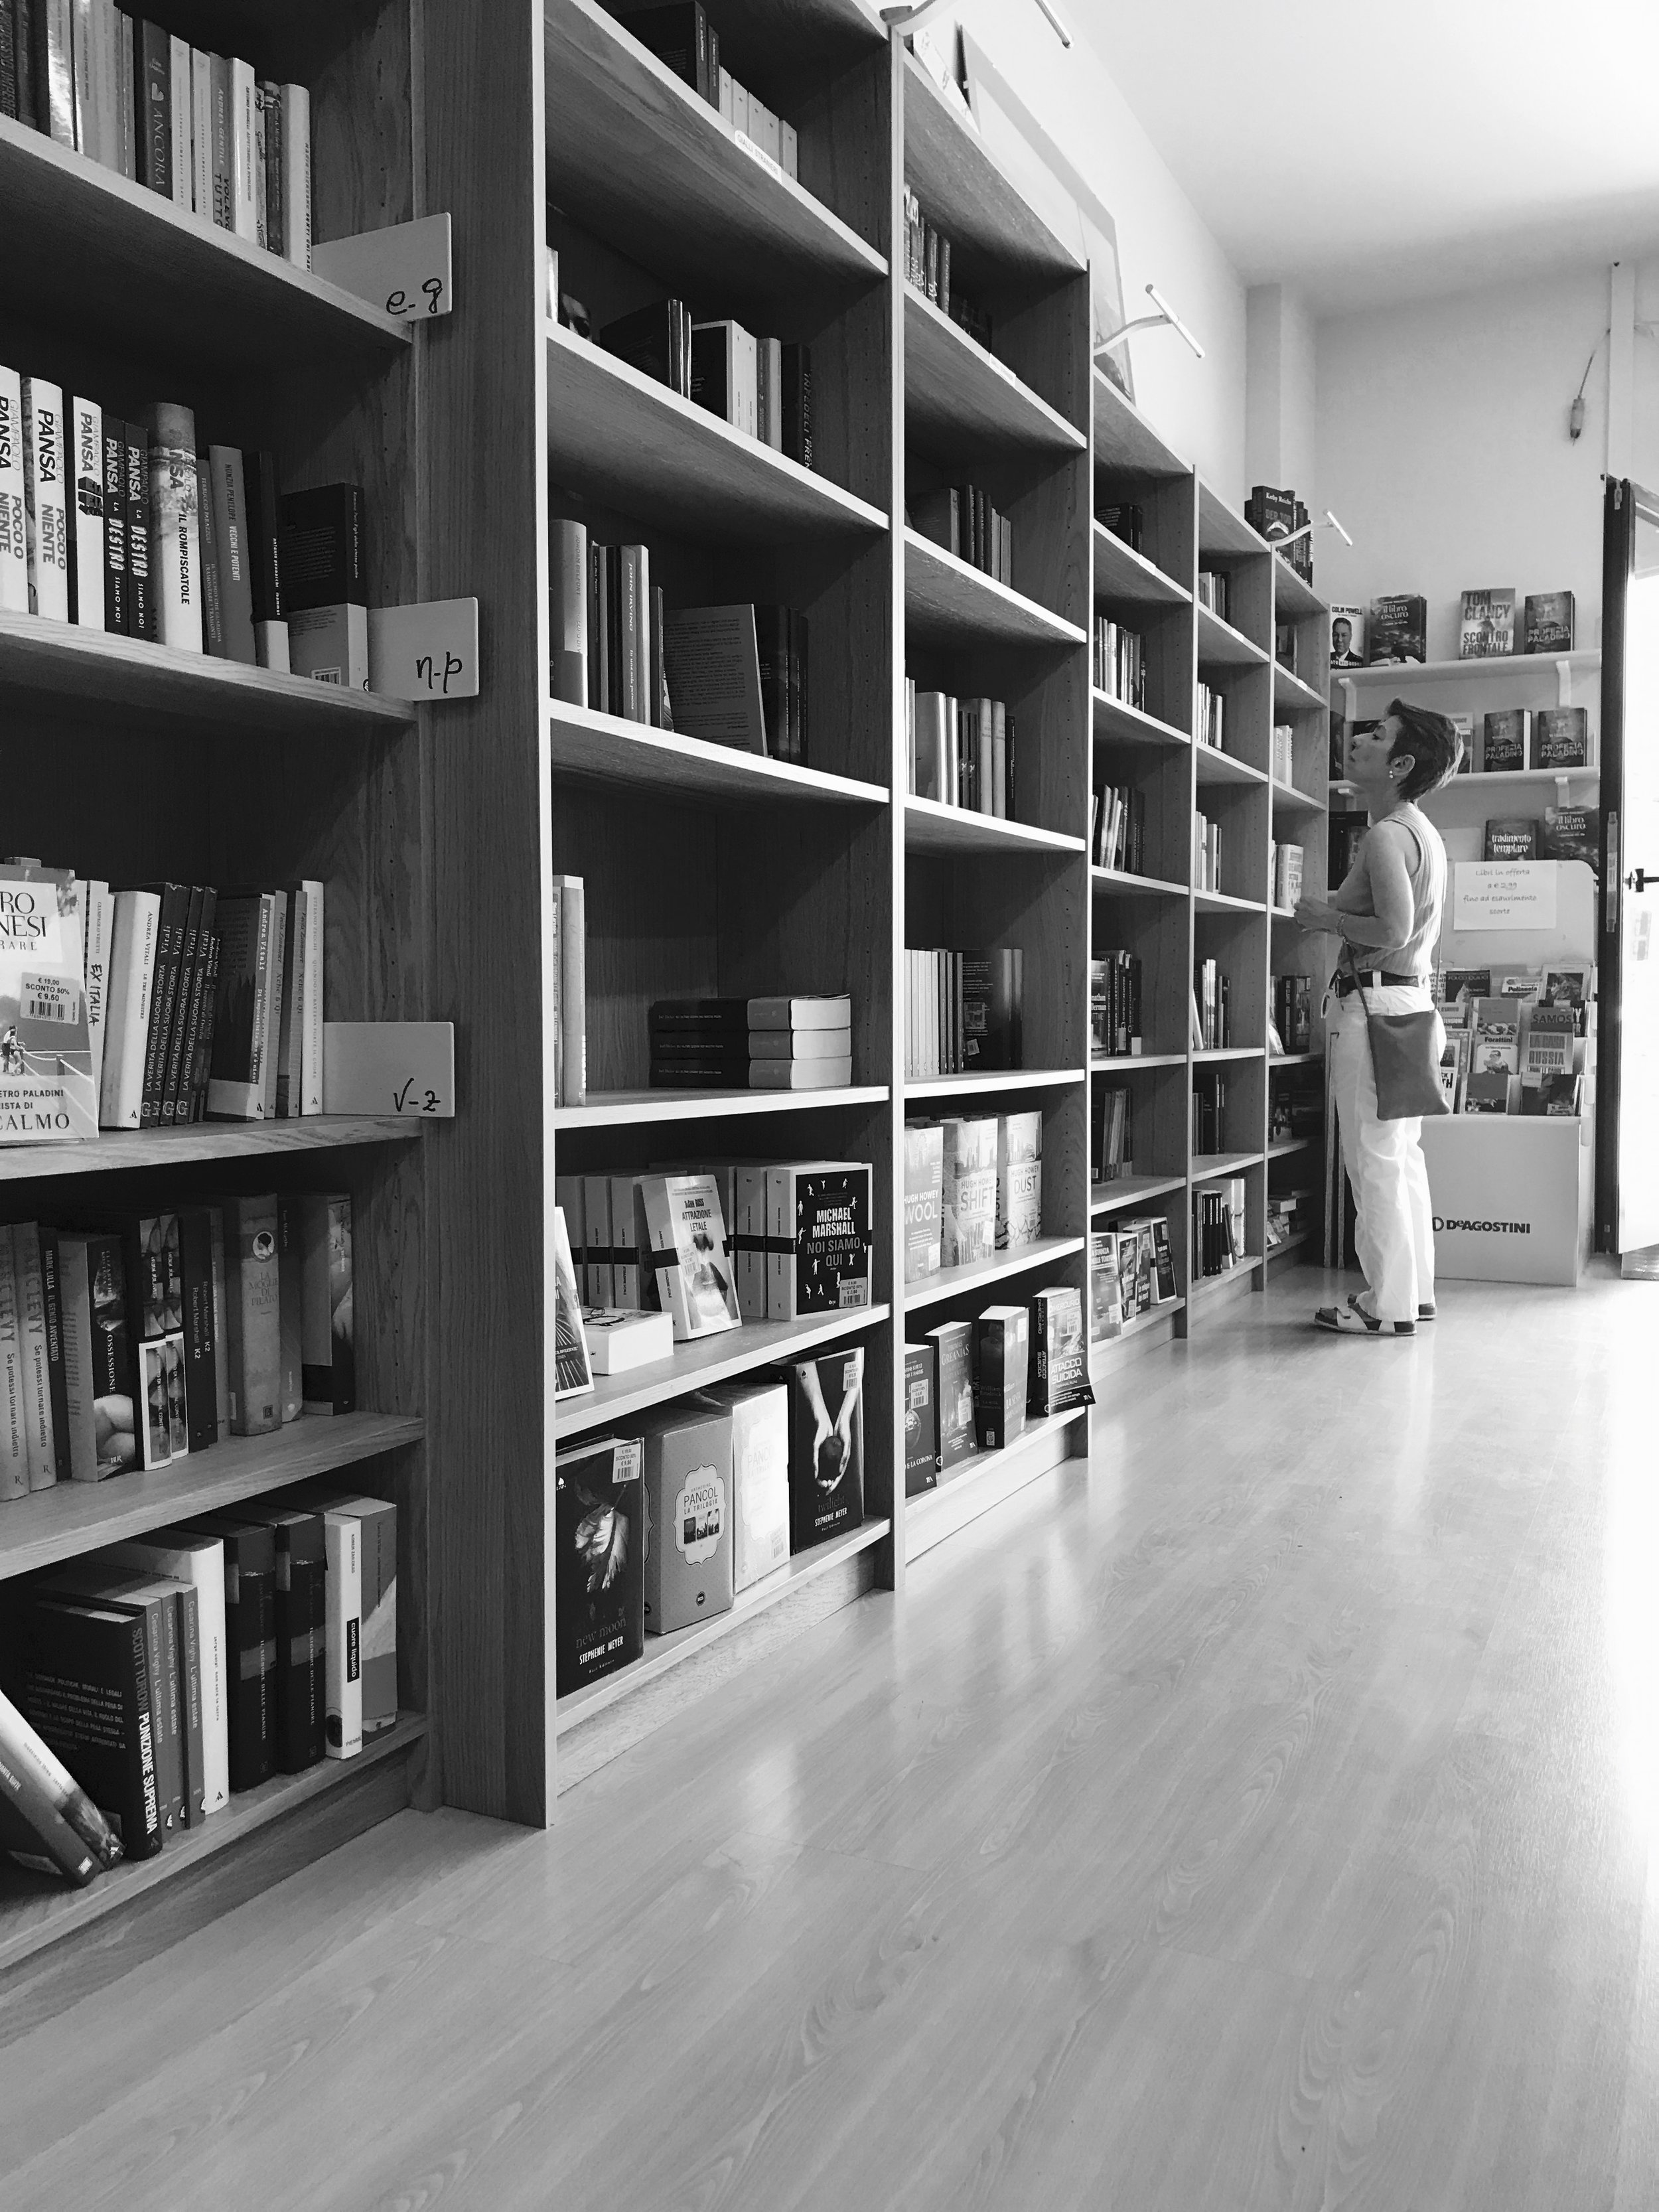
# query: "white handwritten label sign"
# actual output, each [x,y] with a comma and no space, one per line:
[1504,894]
[390,1068]
[404,270]
[427,652]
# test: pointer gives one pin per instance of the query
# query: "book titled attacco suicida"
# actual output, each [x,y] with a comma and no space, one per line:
[47,1086]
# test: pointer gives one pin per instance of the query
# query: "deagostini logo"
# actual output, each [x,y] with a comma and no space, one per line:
[1485,1227]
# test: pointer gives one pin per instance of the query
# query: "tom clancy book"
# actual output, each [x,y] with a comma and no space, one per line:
[1561,736]
[680,1232]
[818,1236]
[1506,740]
[924,1200]
[1001,1357]
[47,1088]
[1019,1180]
[1513,838]
[600,1540]
[1488,625]
[1548,621]
[1398,629]
[826,1447]
[953,1382]
[1059,1353]
[920,1418]
[1571,833]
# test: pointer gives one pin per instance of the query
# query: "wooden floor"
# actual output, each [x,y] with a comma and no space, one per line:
[1251,1823]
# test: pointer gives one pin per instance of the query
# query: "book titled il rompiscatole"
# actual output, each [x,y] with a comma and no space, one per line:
[85,1689]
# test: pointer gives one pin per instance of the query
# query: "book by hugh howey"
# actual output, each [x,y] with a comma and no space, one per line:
[47,1086]
[826,1447]
[920,1418]
[924,1200]
[599,1543]
[969,1148]
[687,1487]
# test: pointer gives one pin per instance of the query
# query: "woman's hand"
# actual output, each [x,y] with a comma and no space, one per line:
[1317,914]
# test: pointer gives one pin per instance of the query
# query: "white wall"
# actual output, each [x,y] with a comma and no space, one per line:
[1440,441]
[1199,406]
[1281,374]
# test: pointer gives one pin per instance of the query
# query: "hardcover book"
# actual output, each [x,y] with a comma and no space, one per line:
[819,1231]
[920,1418]
[680,1234]
[1398,629]
[1513,838]
[1506,740]
[1571,833]
[619,1339]
[991,1015]
[599,1536]
[1561,736]
[759,1476]
[1001,1355]
[687,1488]
[1347,637]
[953,1374]
[1059,1353]
[826,1447]
[1488,625]
[1549,621]
[85,1689]
[924,1200]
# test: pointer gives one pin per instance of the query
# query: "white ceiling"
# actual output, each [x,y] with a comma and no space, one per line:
[1369,153]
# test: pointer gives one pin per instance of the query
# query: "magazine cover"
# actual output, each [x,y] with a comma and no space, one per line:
[572,1373]
[46,1086]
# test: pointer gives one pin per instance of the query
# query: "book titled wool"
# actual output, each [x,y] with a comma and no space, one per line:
[818,1233]
[1059,1364]
[599,1545]
[924,1200]
[681,1233]
[1488,625]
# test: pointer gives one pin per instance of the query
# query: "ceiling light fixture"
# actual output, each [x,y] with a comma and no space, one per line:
[1166,314]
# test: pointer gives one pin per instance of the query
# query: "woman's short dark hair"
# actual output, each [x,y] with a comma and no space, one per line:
[1433,743]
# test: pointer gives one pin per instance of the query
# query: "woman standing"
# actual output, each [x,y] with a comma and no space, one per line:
[1387,913]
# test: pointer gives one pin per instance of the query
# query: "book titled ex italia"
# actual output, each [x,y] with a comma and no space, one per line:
[817,1237]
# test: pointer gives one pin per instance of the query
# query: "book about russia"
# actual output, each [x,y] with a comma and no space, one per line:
[681,1233]
[47,1088]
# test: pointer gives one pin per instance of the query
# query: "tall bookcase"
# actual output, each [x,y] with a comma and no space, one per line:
[544,122]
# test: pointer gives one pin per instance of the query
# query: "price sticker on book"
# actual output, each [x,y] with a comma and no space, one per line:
[405,1068]
[405,269]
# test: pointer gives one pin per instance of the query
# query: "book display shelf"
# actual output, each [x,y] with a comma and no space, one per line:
[1156,749]
[127,761]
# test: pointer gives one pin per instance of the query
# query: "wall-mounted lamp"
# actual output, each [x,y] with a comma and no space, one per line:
[908,16]
[1165,314]
[1307,530]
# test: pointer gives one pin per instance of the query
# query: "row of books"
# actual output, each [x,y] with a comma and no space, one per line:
[1212,1019]
[1287,645]
[746,1475]
[784,1239]
[200,129]
[148,1683]
[1118,663]
[148,1337]
[1115,1004]
[155,1007]
[1206,853]
[1219,1227]
[927,270]
[680,34]
[1111,1132]
[1296,1110]
[799,1043]
[972,1187]
[1288,1216]
[127,527]
[1512,737]
[1395,626]
[971,1386]
[1211,728]
[1117,829]
[1283,757]
[1512,1055]
[1292,1004]
[963,1011]
[1456,990]
[1126,519]
[760,385]
[961,518]
[1276,514]
[1559,833]
[1284,875]
[959,751]
[1209,1111]
[1130,1271]
[1215,591]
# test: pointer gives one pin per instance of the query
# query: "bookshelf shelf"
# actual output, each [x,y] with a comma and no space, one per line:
[612,431]
[1292,801]
[1504,666]
[962,189]
[36,1911]
[620,1110]
[1293,1243]
[1294,600]
[637,156]
[1118,880]
[76,1516]
[1115,718]
[1126,578]
[1221,646]
[1292,697]
[1216,1053]
[947,602]
[712,1359]
[1140,1326]
[1126,444]
[63,668]
[980,1274]
[1279,1059]
[1230,1278]
[1224,903]
[1207,1166]
[1281,913]
[931,827]
[1223,534]
[1115,1063]
[985,1479]
[956,396]
[87,247]
[121,1151]
[1286,1147]
[604,749]
[663,1653]
[1499,778]
[1214,766]
[1131,1190]
[1007,1079]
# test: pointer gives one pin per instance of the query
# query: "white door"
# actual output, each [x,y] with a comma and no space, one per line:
[1629,886]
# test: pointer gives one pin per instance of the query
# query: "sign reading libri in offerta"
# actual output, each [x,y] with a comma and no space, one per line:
[1504,895]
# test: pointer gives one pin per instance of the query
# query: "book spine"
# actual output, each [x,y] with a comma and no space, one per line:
[213,613]
[175,551]
[252,110]
[289,1039]
[7,60]
[633,686]
[311,1001]
[277,937]
[180,155]
[230,517]
[169,951]
[187,1633]
[132,988]
[118,616]
[296,175]
[14,1420]
[300,1713]
[253,1309]
[46,507]
[221,1324]
[40,1438]
[86,512]
[54,71]
[141,597]
[222,141]
[51,1286]
[203,1057]
[573,987]
[270,126]
[290,1299]
[343,1710]
[201,134]
[196,1266]
[251,1657]
[14,513]
[567,553]
[152,92]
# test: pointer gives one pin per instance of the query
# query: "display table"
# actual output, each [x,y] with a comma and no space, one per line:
[1513,1196]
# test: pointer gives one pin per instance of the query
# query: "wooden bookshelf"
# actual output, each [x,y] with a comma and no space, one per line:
[119,1150]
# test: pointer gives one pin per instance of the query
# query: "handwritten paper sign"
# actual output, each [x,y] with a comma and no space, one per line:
[390,1068]
[404,270]
[424,652]
[1504,894]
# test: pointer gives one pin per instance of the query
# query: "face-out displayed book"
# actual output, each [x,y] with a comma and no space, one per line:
[680,1234]
[573,1373]
[1059,1367]
[1549,624]
[48,1086]
[1398,629]
[1347,637]
[600,1538]
[1561,738]
[1487,628]
[826,1447]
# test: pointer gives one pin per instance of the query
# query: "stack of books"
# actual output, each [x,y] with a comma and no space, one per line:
[787,1044]
[1219,1231]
